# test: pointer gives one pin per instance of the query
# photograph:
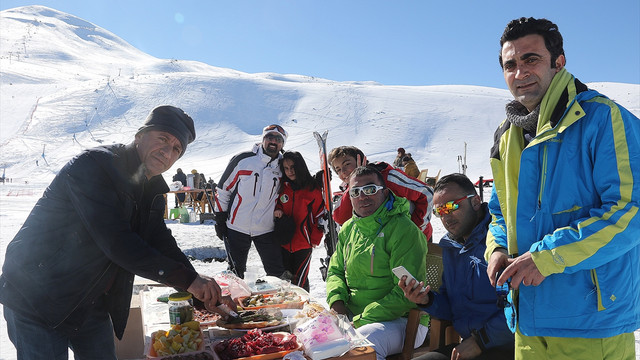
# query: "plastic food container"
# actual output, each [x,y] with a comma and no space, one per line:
[171,339]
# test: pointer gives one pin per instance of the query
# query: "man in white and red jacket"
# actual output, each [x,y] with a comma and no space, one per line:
[245,200]
[345,159]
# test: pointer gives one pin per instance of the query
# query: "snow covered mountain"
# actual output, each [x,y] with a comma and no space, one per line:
[67,85]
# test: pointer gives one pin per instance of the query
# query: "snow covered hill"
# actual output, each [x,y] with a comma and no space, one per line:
[67,85]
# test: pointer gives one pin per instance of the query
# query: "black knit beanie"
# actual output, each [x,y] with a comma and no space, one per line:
[172,120]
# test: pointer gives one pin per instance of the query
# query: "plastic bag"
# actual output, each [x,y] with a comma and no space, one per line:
[232,285]
[184,215]
[175,186]
[327,335]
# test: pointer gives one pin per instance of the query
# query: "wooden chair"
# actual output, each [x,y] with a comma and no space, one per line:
[423,175]
[441,332]
[432,180]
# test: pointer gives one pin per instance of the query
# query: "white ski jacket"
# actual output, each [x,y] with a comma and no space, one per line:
[248,190]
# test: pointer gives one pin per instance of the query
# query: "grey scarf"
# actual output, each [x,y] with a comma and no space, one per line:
[518,115]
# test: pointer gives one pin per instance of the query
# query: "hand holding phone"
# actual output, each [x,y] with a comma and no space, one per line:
[400,271]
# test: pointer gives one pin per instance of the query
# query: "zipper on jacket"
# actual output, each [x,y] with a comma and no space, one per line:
[274,187]
[373,255]
[543,181]
[293,203]
[594,278]
[255,183]
[345,256]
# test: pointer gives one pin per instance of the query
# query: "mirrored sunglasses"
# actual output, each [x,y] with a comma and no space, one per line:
[450,206]
[367,190]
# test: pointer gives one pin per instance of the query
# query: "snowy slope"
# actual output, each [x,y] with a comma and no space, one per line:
[67,85]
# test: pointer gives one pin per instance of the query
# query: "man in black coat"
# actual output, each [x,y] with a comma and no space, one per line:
[68,273]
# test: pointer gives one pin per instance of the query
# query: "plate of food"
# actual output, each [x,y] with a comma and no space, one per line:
[256,345]
[205,317]
[265,319]
[280,299]
[180,339]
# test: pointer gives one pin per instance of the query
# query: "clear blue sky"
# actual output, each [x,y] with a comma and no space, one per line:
[404,42]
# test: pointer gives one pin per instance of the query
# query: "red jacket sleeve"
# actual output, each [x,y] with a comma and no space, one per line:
[420,195]
[343,209]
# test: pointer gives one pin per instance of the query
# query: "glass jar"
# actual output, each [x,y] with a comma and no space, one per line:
[180,308]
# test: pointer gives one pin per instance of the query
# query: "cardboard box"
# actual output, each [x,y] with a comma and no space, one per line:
[132,344]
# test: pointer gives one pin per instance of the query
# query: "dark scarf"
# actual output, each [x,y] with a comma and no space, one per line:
[518,115]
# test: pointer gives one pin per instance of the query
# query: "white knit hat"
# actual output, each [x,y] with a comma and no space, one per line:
[276,129]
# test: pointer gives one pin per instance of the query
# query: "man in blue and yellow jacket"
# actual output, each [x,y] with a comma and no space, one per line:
[565,224]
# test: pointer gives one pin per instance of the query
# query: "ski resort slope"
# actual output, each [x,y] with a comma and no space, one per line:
[68,85]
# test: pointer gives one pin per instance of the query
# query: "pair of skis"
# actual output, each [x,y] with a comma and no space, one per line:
[331,235]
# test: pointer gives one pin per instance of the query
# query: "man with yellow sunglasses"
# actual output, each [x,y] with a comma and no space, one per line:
[466,296]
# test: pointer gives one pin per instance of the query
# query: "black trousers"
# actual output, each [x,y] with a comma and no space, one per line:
[238,245]
[298,263]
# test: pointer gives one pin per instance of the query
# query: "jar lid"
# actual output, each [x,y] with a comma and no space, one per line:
[180,296]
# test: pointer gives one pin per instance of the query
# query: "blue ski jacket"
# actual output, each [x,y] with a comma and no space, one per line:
[571,197]
[466,296]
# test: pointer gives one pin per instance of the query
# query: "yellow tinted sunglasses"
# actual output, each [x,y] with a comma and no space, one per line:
[449,206]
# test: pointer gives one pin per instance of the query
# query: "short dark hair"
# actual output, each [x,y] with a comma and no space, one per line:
[527,26]
[456,178]
[368,170]
[341,151]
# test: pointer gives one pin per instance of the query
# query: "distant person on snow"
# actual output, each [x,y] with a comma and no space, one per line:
[199,182]
[68,273]
[410,167]
[245,200]
[301,201]
[397,163]
[182,177]
[345,159]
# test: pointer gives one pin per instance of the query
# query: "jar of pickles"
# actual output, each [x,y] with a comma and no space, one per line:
[180,308]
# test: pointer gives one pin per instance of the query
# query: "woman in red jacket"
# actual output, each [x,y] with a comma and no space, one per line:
[300,198]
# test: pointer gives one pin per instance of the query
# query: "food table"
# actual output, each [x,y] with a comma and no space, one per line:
[149,315]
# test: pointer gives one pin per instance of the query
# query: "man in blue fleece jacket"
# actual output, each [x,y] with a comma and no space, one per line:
[466,296]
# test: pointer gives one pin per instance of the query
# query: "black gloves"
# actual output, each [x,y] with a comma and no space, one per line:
[319,178]
[221,224]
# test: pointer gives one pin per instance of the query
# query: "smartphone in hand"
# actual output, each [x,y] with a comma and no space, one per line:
[400,271]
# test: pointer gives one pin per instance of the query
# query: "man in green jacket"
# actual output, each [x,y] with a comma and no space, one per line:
[360,284]
[565,219]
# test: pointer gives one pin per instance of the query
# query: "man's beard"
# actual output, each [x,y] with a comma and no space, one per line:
[271,150]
